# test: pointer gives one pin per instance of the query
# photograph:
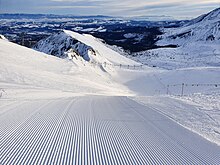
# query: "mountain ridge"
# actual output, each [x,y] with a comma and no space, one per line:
[197,45]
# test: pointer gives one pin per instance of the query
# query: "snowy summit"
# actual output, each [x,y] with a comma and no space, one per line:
[197,44]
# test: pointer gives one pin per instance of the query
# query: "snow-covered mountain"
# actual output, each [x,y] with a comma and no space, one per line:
[203,28]
[86,46]
[212,15]
[28,76]
[59,44]
[23,69]
[198,44]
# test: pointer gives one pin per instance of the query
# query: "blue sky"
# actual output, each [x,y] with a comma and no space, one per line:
[175,8]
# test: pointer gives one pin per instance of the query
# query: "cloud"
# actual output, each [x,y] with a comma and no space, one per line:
[176,8]
[110,7]
[69,7]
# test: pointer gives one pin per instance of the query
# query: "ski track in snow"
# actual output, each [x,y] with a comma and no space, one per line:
[97,130]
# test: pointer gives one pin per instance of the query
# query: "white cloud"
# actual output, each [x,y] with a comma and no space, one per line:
[111,7]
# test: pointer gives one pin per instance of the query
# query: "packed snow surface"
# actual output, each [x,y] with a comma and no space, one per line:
[192,112]
[96,130]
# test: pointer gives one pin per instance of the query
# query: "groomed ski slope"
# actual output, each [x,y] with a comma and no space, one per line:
[97,130]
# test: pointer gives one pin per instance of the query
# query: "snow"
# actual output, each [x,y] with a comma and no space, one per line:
[2,37]
[83,108]
[155,81]
[130,35]
[191,111]
[193,55]
[206,29]
[96,130]
[198,45]
[99,29]
[20,65]
[102,50]
[59,44]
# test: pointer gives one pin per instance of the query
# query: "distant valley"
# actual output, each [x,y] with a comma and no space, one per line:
[133,35]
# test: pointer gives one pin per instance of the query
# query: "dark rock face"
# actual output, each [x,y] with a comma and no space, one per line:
[60,43]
